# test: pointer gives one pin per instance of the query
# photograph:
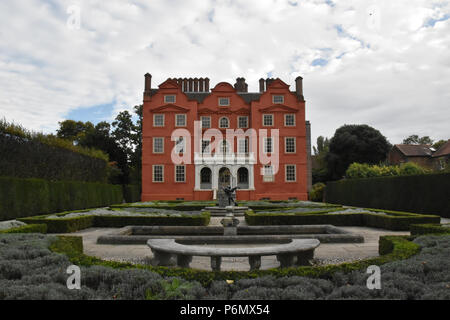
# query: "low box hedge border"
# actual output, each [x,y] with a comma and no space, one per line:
[28,228]
[395,220]
[68,225]
[420,229]
[392,248]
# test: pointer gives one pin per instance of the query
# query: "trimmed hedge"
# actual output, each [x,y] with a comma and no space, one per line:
[131,193]
[398,221]
[419,229]
[68,225]
[28,197]
[428,193]
[393,247]
[29,228]
[47,157]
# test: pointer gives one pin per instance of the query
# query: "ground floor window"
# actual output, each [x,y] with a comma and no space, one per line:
[158,173]
[268,174]
[290,173]
[180,174]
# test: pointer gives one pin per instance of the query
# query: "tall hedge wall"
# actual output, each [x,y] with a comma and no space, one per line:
[428,193]
[28,197]
[24,157]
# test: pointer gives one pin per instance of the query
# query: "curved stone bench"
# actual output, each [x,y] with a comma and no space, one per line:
[303,249]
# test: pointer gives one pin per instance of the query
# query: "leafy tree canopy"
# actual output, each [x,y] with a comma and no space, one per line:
[355,143]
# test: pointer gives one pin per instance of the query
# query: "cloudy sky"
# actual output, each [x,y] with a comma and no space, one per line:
[382,63]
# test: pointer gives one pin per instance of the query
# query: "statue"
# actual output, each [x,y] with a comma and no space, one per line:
[229,192]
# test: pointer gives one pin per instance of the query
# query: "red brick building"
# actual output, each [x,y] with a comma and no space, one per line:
[197,140]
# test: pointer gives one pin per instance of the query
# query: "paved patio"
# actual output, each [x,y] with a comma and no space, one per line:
[324,254]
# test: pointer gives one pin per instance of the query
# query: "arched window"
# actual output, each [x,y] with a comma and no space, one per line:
[205,178]
[242,177]
[224,122]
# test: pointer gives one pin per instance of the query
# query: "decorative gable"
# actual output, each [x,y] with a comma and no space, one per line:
[170,108]
[278,108]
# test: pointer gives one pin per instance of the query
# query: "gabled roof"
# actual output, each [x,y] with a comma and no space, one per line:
[415,150]
[444,150]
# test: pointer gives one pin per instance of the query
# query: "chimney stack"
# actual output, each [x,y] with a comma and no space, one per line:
[268,82]
[201,87]
[195,84]
[240,85]
[148,83]
[299,87]
[261,85]
[191,85]
[206,84]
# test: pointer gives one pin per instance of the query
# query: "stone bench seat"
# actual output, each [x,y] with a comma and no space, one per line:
[302,249]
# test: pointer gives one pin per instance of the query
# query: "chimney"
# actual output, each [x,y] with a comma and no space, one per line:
[191,85]
[200,85]
[195,84]
[261,85]
[185,85]
[180,83]
[206,84]
[240,85]
[299,87]
[268,82]
[148,83]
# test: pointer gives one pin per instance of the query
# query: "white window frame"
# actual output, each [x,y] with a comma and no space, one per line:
[239,121]
[265,145]
[285,145]
[246,145]
[209,119]
[176,120]
[208,149]
[163,119]
[153,173]
[268,177]
[277,95]
[170,95]
[285,120]
[220,122]
[286,166]
[181,149]
[153,146]
[222,104]
[263,118]
[184,173]
[226,143]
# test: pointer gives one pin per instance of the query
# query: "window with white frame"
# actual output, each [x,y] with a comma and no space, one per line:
[158,120]
[243,122]
[180,173]
[158,173]
[243,146]
[268,175]
[158,145]
[206,122]
[169,98]
[180,145]
[205,146]
[224,122]
[224,101]
[290,173]
[224,147]
[289,145]
[268,120]
[268,145]
[180,120]
[278,99]
[289,120]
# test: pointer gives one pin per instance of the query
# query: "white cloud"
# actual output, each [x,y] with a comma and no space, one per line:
[387,61]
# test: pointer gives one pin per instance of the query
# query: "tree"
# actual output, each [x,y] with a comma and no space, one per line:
[439,144]
[319,170]
[71,130]
[355,143]
[415,139]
